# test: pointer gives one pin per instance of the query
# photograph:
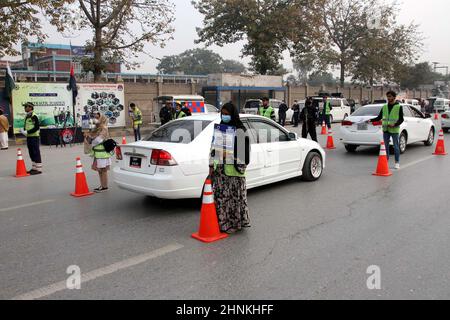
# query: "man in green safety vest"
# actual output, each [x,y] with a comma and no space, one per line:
[391,116]
[327,111]
[31,130]
[266,110]
[179,113]
[136,117]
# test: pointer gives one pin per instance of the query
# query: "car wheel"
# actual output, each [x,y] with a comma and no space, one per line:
[403,142]
[351,148]
[313,167]
[430,140]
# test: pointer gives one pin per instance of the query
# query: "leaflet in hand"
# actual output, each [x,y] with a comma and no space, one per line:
[223,143]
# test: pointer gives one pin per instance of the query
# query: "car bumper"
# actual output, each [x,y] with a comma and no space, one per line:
[361,138]
[173,185]
[445,123]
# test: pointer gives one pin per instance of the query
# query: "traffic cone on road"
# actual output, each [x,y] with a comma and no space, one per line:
[436,116]
[21,170]
[324,129]
[330,141]
[209,224]
[124,140]
[440,147]
[81,186]
[383,165]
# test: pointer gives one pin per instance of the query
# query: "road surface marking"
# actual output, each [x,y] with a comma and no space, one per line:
[416,162]
[26,205]
[92,275]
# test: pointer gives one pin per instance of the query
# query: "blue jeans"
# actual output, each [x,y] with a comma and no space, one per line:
[387,142]
[137,133]
[327,119]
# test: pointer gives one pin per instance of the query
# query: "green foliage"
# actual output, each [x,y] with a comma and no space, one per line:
[199,62]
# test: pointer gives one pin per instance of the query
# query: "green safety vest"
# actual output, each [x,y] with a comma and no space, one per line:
[137,117]
[180,115]
[230,170]
[266,112]
[30,125]
[392,118]
[327,108]
[99,152]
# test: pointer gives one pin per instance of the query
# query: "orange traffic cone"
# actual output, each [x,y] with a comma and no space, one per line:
[324,129]
[124,140]
[436,116]
[440,147]
[330,141]
[383,165]
[21,170]
[81,186]
[209,224]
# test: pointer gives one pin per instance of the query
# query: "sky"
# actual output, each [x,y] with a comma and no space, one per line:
[431,15]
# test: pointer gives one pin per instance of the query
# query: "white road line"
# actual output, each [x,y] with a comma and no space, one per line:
[26,205]
[92,275]
[406,166]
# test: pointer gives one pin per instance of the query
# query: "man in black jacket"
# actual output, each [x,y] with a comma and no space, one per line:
[296,109]
[309,118]
[282,110]
[166,113]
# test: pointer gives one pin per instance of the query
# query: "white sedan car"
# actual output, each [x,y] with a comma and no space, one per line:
[356,132]
[445,121]
[173,163]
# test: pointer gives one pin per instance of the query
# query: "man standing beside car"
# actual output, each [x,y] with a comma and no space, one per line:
[296,117]
[309,117]
[391,116]
[282,110]
[266,110]
[327,111]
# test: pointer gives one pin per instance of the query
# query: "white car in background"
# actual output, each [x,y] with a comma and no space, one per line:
[445,121]
[252,107]
[173,163]
[357,132]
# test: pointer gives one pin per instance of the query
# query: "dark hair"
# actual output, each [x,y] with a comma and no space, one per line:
[29,105]
[392,93]
[132,105]
[265,99]
[234,113]
[1,112]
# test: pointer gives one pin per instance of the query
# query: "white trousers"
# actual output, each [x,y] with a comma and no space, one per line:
[4,140]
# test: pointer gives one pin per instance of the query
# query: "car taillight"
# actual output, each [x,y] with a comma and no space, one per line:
[445,116]
[377,123]
[119,153]
[347,123]
[162,158]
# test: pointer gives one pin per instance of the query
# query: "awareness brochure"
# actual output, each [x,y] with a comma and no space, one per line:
[223,143]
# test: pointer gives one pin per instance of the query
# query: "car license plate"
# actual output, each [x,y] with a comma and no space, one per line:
[135,162]
[363,126]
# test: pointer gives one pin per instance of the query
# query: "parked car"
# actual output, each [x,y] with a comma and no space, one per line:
[357,132]
[445,121]
[173,162]
[436,104]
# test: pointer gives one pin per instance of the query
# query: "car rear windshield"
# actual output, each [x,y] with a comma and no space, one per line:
[367,111]
[183,132]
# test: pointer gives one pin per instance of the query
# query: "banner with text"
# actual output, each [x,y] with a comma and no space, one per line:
[50,100]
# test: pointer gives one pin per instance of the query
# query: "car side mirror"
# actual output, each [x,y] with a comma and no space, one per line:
[293,136]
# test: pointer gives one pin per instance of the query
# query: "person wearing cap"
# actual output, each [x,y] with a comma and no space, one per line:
[392,118]
[32,131]
[179,114]
[4,128]
[266,110]
[136,116]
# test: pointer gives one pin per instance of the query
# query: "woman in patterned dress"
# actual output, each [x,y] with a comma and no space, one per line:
[228,179]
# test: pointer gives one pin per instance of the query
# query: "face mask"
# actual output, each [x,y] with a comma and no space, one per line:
[226,118]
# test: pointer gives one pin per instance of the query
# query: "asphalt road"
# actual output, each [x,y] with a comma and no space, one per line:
[307,241]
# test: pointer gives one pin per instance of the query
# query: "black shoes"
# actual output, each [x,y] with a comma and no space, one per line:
[34,172]
[101,190]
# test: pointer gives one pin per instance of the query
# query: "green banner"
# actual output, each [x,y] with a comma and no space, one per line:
[53,103]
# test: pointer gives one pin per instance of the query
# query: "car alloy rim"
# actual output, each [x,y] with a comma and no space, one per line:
[431,137]
[403,143]
[316,167]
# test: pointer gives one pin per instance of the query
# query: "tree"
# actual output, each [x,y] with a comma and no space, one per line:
[198,62]
[413,76]
[365,40]
[120,28]
[264,25]
[321,78]
[19,21]
[232,66]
